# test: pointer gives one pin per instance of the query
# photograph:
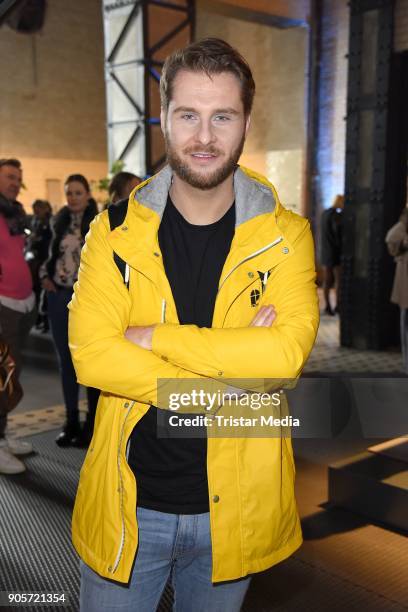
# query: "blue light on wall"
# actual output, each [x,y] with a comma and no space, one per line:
[332,104]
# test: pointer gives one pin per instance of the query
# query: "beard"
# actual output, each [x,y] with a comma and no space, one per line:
[196,178]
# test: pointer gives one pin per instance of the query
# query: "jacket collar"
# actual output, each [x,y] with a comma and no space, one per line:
[252,197]
[136,240]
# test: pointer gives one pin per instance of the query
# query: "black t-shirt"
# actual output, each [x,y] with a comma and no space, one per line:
[171,473]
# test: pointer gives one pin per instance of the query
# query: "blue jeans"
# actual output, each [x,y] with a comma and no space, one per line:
[58,316]
[170,545]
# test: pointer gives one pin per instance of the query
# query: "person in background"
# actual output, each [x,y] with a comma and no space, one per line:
[37,252]
[17,300]
[121,186]
[330,256]
[58,275]
[397,244]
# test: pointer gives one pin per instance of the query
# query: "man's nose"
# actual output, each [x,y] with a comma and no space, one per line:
[205,133]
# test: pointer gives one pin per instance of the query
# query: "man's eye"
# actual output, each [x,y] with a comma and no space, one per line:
[187,116]
[221,118]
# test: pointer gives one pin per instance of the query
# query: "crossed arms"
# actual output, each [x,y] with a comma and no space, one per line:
[109,355]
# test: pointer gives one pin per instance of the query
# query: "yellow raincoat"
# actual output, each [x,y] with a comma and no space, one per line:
[253,514]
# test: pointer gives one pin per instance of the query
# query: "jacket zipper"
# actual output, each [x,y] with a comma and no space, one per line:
[163,312]
[122,540]
[258,252]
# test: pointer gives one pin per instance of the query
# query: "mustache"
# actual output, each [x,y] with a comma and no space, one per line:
[211,150]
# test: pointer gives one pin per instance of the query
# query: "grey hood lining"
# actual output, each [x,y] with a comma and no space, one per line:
[251,197]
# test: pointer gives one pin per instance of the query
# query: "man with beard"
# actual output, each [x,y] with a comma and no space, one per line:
[219,284]
[17,301]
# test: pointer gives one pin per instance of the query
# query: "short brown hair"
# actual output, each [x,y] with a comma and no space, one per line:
[119,183]
[10,162]
[212,56]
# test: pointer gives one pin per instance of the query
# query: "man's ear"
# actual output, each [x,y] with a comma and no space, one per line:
[247,124]
[163,121]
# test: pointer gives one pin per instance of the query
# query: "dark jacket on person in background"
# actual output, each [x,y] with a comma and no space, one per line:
[40,238]
[331,237]
[14,214]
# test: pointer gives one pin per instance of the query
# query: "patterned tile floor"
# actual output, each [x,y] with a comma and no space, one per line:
[39,420]
[328,356]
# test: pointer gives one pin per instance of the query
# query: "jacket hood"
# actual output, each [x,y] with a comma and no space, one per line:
[254,195]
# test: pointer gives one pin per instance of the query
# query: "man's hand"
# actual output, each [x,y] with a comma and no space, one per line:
[265,316]
[142,336]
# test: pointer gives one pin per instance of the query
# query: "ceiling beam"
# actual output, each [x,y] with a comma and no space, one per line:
[270,12]
[5,8]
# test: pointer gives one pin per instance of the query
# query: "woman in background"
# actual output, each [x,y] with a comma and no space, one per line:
[58,275]
[330,255]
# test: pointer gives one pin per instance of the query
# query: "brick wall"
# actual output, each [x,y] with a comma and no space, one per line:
[275,143]
[52,111]
[292,9]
